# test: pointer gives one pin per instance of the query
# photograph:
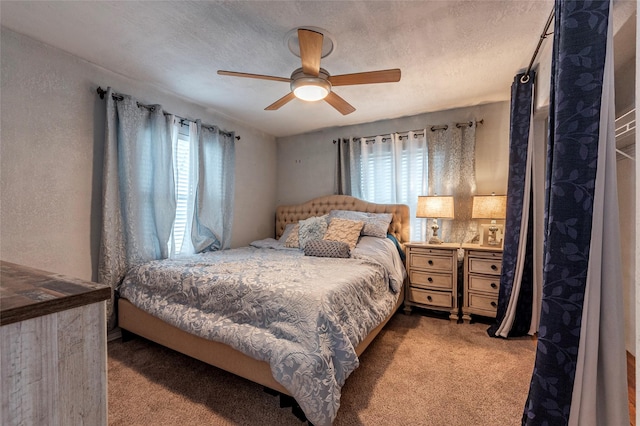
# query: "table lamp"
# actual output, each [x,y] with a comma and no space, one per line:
[435,207]
[490,207]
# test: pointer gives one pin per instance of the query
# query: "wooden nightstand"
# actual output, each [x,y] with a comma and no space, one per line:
[433,277]
[482,269]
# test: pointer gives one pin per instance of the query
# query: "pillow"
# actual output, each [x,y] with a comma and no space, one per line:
[325,248]
[311,229]
[287,232]
[375,224]
[347,231]
[293,240]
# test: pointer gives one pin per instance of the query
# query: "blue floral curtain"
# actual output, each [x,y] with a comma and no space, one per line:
[579,376]
[515,299]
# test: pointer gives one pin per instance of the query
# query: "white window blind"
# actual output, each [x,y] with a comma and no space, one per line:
[377,175]
[184,144]
[393,169]
[181,174]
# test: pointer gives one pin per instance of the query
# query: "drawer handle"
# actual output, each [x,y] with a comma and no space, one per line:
[429,298]
[494,304]
[430,279]
[494,267]
[430,262]
[494,285]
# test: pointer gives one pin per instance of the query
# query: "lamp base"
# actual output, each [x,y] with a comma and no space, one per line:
[434,240]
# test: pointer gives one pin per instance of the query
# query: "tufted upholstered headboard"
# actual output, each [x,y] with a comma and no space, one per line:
[399,226]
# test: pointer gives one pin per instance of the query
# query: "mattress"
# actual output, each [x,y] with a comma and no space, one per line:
[303,315]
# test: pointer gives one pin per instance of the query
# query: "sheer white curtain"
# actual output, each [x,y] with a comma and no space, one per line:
[390,169]
[452,172]
[399,167]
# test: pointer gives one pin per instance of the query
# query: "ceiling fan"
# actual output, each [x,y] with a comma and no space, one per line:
[312,83]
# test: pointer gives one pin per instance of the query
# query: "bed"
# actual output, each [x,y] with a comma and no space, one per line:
[280,354]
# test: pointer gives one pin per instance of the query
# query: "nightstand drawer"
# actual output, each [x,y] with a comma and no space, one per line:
[431,279]
[486,254]
[485,266]
[483,303]
[433,298]
[486,284]
[432,282]
[482,270]
[427,261]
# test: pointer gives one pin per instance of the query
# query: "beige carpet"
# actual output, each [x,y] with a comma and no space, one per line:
[419,371]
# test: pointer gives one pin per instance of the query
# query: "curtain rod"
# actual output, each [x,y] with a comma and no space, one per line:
[118,97]
[432,128]
[544,35]
[458,125]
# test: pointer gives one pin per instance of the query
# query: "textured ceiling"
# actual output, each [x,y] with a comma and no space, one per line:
[451,53]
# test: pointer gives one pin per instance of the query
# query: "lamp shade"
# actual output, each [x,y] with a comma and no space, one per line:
[489,207]
[435,207]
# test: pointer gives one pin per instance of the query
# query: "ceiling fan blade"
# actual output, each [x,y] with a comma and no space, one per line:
[280,102]
[259,76]
[338,103]
[310,51]
[370,77]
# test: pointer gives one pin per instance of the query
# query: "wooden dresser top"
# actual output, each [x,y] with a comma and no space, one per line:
[27,293]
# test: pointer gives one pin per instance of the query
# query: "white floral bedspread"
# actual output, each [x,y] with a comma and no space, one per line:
[302,315]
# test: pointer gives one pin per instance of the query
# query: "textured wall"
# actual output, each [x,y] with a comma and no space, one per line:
[625,101]
[307,163]
[52,124]
[627,205]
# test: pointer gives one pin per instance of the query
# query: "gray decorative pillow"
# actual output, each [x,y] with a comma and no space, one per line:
[325,248]
[292,240]
[375,224]
[311,229]
[287,232]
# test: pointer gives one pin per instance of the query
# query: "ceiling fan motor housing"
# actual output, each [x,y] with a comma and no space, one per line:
[309,87]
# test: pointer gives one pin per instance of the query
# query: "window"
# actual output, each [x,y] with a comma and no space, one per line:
[184,187]
[393,169]
[203,167]
[376,171]
[181,165]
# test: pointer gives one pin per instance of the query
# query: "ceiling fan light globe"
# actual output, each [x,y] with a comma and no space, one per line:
[311,93]
[310,89]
